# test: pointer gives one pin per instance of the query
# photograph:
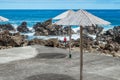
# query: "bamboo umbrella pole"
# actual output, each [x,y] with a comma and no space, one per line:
[70,55]
[81,53]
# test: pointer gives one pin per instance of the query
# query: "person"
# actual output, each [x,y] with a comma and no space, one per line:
[65,40]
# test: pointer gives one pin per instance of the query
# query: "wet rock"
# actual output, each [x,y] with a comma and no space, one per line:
[4,27]
[41,28]
[23,28]
[111,34]
[116,34]
[46,28]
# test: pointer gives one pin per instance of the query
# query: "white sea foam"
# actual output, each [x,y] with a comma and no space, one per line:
[13,31]
[93,36]
[76,29]
[108,27]
[28,34]
[74,36]
[31,29]
[14,25]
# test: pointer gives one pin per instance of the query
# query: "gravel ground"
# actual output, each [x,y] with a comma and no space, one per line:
[58,66]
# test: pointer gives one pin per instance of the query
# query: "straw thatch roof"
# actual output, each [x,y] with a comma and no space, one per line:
[3,19]
[64,14]
[83,18]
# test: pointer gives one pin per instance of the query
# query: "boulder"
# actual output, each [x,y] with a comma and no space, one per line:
[23,28]
[46,28]
[41,28]
[87,42]
[67,30]
[4,27]
[116,37]
[18,40]
[111,34]
[102,46]
[96,30]
[106,51]
[37,42]
[41,33]
[52,43]
[13,40]
[110,47]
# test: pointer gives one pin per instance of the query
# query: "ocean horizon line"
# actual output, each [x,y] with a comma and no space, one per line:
[59,9]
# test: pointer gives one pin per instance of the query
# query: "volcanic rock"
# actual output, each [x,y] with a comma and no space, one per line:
[46,28]
[37,42]
[4,27]
[95,30]
[111,34]
[13,40]
[52,43]
[23,28]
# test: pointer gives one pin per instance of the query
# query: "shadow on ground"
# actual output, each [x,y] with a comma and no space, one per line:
[51,55]
[49,76]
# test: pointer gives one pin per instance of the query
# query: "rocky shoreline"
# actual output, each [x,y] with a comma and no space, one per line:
[107,42]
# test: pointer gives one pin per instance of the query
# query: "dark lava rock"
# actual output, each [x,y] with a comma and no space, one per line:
[96,30]
[116,34]
[41,28]
[46,28]
[23,28]
[4,27]
[111,34]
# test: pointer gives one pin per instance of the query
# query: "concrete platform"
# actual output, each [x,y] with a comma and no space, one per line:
[96,66]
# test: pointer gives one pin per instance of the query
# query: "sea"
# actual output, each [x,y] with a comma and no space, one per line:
[16,17]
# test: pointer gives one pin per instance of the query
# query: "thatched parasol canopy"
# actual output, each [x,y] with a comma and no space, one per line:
[63,15]
[83,18]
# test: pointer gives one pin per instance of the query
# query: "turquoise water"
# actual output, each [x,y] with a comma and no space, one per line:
[33,16]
